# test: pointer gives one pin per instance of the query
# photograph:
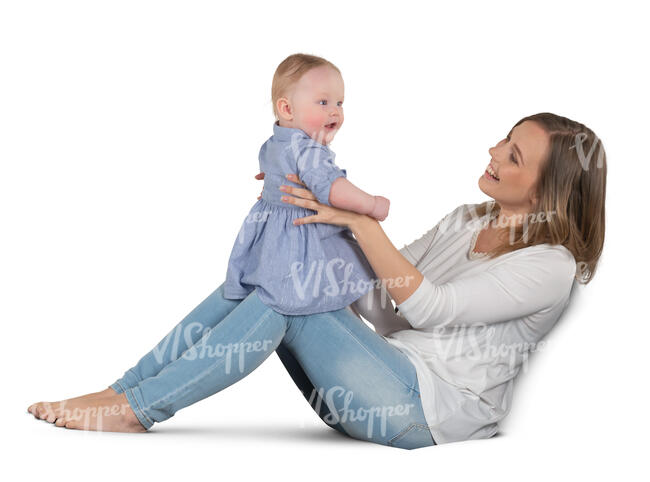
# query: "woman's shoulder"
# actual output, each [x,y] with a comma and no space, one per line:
[550,255]
[552,262]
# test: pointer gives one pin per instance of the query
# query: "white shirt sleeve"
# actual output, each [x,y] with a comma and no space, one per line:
[518,287]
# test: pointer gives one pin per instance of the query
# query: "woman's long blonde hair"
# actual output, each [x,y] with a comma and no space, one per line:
[571,185]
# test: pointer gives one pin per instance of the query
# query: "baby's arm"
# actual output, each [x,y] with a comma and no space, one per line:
[345,195]
[317,170]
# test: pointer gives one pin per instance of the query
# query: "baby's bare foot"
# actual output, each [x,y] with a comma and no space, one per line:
[48,410]
[111,413]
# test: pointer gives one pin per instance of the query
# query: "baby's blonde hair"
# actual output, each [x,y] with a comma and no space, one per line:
[290,71]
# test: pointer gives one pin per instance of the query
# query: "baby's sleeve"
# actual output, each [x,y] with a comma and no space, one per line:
[316,169]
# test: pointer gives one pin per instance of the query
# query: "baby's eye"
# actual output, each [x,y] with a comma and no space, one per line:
[339,103]
[322,102]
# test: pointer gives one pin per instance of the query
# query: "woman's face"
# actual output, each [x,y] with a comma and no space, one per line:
[516,161]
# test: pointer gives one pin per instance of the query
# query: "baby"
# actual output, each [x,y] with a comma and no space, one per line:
[309,268]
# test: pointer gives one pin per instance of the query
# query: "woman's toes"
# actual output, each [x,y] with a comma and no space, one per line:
[50,416]
[43,411]
[60,422]
[59,409]
[37,411]
[34,407]
[72,423]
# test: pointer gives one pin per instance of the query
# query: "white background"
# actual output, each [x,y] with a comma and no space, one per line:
[129,134]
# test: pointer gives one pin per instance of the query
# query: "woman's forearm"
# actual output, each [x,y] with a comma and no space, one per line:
[391,267]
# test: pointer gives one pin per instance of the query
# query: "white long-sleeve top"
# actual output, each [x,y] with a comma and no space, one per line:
[473,321]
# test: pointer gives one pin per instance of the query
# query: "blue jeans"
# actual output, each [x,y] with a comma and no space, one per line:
[357,382]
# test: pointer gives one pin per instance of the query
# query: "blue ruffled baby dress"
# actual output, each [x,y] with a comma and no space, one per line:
[304,269]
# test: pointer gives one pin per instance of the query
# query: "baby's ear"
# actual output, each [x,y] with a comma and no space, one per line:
[284,109]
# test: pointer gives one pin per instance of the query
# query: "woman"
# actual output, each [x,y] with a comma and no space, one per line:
[474,298]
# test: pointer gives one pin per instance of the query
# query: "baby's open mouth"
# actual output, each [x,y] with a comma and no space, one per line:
[331,126]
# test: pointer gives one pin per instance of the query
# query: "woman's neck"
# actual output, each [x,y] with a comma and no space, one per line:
[508,218]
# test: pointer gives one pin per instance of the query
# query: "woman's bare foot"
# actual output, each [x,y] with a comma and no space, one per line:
[40,409]
[110,413]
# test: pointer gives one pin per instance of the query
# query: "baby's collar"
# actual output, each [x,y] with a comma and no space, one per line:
[286,133]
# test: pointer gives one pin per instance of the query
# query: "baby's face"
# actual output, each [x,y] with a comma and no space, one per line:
[317,103]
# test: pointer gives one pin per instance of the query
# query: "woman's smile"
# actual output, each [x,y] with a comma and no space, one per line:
[489,176]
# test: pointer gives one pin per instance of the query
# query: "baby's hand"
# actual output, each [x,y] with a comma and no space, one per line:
[380,210]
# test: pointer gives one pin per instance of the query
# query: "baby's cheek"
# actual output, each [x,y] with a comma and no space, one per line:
[314,120]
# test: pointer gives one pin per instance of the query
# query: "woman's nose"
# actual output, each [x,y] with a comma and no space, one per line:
[495,151]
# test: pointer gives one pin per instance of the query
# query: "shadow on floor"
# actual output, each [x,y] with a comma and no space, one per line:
[255,432]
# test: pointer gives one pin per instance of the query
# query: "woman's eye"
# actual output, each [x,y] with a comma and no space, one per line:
[322,102]
[512,155]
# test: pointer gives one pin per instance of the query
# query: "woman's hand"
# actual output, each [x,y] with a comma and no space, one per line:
[325,214]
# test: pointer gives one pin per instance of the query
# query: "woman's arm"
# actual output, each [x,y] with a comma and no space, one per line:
[519,286]
[327,181]
[391,267]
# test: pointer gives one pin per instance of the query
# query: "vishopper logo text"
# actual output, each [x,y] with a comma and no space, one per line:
[338,396]
[585,159]
[324,280]
[310,151]
[256,217]
[479,343]
[201,350]
[525,219]
[582,268]
[86,416]
[468,219]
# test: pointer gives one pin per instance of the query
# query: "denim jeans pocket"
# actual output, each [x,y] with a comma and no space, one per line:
[414,436]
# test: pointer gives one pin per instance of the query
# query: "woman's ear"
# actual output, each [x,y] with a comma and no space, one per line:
[284,109]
